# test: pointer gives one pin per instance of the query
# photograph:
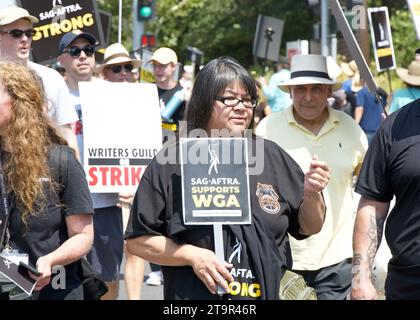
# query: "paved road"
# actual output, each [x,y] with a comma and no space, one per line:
[147,293]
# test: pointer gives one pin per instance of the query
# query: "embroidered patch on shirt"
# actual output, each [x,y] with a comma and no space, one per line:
[268,198]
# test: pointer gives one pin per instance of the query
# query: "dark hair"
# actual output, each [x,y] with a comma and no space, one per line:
[210,82]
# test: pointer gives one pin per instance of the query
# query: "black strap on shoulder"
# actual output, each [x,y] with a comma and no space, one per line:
[58,158]
[4,207]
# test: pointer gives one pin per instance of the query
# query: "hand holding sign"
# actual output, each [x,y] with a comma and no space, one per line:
[317,177]
[208,268]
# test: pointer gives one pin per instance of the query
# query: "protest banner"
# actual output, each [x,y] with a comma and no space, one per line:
[57,17]
[122,133]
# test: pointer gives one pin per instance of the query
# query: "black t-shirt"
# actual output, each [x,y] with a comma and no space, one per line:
[276,194]
[392,167]
[166,95]
[48,230]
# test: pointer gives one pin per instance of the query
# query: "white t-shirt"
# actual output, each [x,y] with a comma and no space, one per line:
[60,108]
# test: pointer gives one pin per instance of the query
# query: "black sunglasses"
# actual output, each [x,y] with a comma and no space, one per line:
[117,69]
[17,34]
[76,51]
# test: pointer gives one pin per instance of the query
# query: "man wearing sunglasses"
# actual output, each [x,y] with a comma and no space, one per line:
[77,55]
[118,66]
[16,32]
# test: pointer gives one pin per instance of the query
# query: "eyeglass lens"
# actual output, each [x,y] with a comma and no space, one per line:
[233,102]
[117,69]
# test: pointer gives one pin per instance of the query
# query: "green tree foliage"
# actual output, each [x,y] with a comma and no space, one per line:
[404,37]
[225,27]
[127,30]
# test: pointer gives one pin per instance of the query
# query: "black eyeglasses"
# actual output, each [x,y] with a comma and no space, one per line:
[117,69]
[76,51]
[17,34]
[233,102]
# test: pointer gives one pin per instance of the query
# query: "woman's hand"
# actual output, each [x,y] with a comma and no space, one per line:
[44,266]
[210,271]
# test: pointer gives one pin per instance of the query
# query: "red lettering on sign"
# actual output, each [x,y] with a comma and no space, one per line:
[94,179]
[114,176]
[136,175]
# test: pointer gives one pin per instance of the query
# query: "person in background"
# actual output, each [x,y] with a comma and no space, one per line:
[164,62]
[340,102]
[277,99]
[369,110]
[186,80]
[118,66]
[308,127]
[282,200]
[262,110]
[77,56]
[16,32]
[411,78]
[350,69]
[53,227]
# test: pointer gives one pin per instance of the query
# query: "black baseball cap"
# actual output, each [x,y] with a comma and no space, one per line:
[73,35]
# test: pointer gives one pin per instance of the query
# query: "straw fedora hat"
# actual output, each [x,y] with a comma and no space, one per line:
[308,69]
[117,54]
[350,68]
[410,75]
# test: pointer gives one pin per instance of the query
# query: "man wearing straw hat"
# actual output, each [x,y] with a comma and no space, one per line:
[411,78]
[118,66]
[309,129]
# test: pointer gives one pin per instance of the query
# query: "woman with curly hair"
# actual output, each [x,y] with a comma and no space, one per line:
[49,222]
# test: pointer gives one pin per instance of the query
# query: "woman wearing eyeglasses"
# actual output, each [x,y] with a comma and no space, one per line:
[282,200]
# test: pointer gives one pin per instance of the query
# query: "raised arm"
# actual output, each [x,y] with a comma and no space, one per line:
[367,237]
[312,211]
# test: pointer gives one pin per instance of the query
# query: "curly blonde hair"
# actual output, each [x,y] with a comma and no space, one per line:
[29,136]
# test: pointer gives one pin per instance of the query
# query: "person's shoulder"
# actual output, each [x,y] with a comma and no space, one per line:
[62,148]
[43,70]
[168,155]
[270,147]
[404,115]
[276,117]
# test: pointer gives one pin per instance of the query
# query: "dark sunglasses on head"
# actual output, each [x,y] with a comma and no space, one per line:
[76,51]
[16,33]
[117,69]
